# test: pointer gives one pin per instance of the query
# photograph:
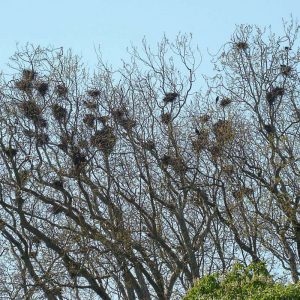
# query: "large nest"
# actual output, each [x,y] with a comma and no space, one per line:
[58,184]
[127,123]
[225,102]
[78,158]
[10,152]
[166,118]
[28,75]
[148,145]
[216,152]
[285,70]
[270,129]
[223,130]
[241,45]
[204,118]
[273,94]
[42,139]
[89,120]
[104,139]
[42,88]
[41,122]
[94,93]
[61,90]
[59,112]
[31,110]
[200,142]
[90,104]
[24,85]
[170,97]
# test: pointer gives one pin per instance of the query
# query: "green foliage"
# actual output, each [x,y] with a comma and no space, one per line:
[251,283]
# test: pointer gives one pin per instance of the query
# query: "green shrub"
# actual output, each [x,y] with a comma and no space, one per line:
[252,283]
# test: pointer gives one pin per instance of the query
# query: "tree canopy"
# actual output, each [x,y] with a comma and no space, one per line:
[133,183]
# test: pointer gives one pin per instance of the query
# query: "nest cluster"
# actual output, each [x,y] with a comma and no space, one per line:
[104,139]
[170,97]
[274,94]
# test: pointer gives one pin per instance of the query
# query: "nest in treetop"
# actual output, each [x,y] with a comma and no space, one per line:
[90,104]
[24,85]
[42,88]
[149,145]
[170,97]
[166,118]
[228,169]
[58,184]
[61,90]
[223,131]
[104,139]
[200,142]
[270,129]
[178,165]
[285,70]
[89,120]
[78,158]
[241,45]
[41,122]
[127,123]
[273,94]
[103,119]
[29,133]
[204,118]
[31,110]
[118,113]
[10,152]
[216,152]
[59,112]
[42,139]
[166,160]
[94,93]
[225,102]
[28,75]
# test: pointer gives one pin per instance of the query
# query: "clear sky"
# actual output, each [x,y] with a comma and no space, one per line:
[115,24]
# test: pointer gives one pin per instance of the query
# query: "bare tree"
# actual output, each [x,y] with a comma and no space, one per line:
[131,184]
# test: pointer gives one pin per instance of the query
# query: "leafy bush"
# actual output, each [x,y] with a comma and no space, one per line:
[252,282]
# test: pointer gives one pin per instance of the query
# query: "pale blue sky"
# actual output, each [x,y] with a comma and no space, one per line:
[115,24]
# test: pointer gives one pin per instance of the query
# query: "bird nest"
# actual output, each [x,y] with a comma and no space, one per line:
[24,85]
[225,102]
[42,88]
[42,139]
[148,145]
[58,184]
[204,118]
[94,93]
[10,152]
[89,120]
[241,45]
[166,118]
[59,112]
[285,70]
[170,97]
[104,139]
[31,110]
[78,158]
[273,94]
[270,129]
[61,90]
[223,130]
[28,75]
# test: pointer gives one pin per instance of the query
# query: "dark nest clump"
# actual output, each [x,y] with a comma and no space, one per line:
[200,142]
[148,145]
[270,129]
[42,139]
[59,112]
[127,123]
[225,102]
[241,45]
[89,120]
[166,160]
[223,130]
[204,118]
[58,184]
[61,90]
[166,118]
[24,85]
[78,158]
[273,94]
[103,119]
[118,113]
[170,97]
[216,152]
[28,75]
[41,122]
[90,104]
[29,133]
[285,70]
[42,88]
[94,93]
[31,110]
[104,139]
[10,152]
[178,165]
